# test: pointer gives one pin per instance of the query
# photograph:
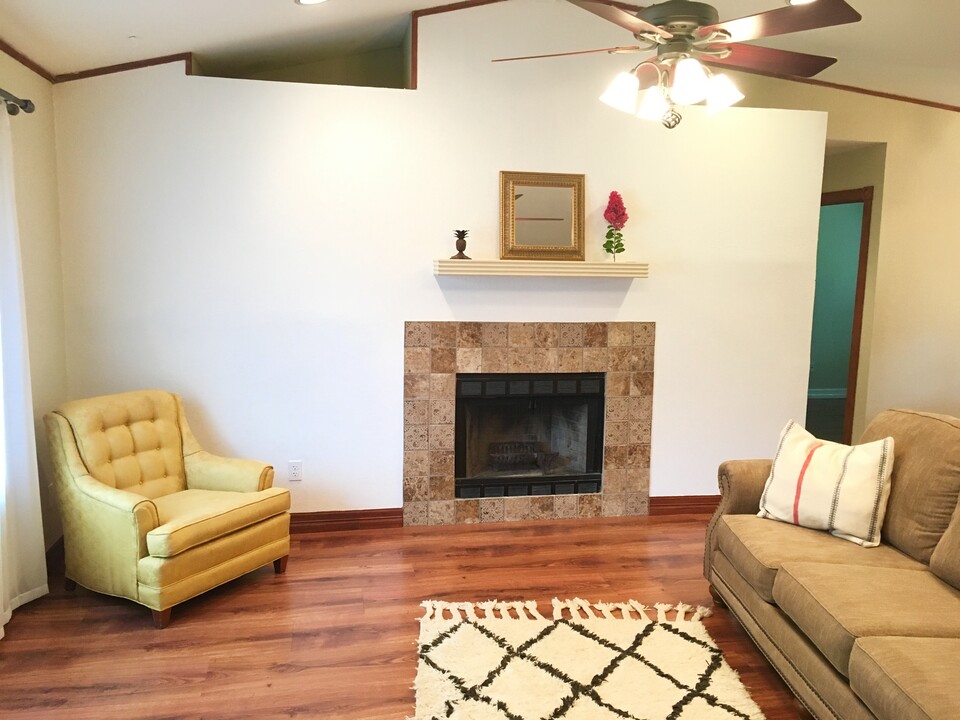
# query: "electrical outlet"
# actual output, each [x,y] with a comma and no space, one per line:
[295,470]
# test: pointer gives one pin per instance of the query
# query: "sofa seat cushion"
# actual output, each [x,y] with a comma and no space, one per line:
[193,517]
[902,678]
[757,547]
[834,605]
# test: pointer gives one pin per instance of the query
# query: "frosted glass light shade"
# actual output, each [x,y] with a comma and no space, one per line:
[689,82]
[652,104]
[621,94]
[721,94]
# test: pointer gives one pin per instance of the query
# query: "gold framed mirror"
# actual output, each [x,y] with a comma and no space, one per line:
[541,216]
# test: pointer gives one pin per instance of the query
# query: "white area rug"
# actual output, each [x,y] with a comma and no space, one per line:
[604,661]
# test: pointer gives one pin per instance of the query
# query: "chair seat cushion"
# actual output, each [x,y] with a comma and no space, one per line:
[902,678]
[834,605]
[193,517]
[757,547]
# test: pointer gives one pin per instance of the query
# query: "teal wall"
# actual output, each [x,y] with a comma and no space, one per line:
[838,256]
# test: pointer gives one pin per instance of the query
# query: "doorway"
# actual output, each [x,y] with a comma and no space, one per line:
[838,312]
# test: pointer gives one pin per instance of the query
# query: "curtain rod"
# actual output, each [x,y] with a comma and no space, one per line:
[15,104]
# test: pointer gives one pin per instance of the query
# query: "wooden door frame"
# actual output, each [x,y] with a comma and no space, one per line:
[842,197]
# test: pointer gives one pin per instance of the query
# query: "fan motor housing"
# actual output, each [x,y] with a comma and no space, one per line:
[680,17]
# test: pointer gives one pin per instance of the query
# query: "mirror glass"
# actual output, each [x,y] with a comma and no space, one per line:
[544,215]
[541,216]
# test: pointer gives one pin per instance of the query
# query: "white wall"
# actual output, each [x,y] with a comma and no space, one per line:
[258,246]
[35,184]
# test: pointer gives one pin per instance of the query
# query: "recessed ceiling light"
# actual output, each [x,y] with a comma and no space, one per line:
[309,2]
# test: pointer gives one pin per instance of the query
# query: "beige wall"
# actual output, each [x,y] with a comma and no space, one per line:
[914,345]
[35,178]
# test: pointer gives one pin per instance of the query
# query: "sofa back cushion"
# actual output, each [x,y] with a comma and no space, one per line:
[130,441]
[945,561]
[926,478]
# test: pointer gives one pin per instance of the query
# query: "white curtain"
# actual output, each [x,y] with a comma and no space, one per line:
[23,566]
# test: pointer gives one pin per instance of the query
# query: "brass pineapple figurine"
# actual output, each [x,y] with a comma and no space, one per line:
[461,245]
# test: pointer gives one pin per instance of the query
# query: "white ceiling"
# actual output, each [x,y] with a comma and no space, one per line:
[891,50]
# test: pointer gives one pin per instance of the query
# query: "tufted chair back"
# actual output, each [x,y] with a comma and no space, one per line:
[130,441]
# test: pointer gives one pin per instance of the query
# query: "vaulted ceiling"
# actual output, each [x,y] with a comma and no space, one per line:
[899,47]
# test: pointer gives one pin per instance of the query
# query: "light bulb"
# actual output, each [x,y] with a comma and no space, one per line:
[652,104]
[689,82]
[621,94]
[722,93]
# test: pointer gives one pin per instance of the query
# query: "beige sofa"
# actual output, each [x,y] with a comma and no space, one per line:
[857,633]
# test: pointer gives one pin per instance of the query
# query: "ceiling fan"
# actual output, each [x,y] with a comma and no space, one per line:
[685,34]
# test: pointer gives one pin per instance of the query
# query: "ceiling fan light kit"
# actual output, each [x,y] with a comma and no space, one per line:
[682,80]
[688,37]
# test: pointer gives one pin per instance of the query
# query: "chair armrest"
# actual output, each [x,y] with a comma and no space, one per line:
[112,498]
[741,485]
[206,471]
[105,535]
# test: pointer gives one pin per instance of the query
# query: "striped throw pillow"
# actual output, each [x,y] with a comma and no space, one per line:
[828,486]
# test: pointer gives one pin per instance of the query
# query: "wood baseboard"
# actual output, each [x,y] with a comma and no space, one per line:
[684,504]
[346,520]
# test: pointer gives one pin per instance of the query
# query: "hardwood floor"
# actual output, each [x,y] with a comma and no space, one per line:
[335,636]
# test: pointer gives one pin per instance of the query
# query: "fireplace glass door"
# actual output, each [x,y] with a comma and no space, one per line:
[529,434]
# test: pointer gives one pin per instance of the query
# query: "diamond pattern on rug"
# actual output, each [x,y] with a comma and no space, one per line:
[576,666]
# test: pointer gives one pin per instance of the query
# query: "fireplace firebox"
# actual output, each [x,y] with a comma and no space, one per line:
[528,434]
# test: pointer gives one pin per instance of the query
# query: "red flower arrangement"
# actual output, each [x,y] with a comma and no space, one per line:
[616,216]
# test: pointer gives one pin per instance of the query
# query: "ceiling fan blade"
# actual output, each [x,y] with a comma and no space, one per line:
[618,49]
[794,18]
[626,20]
[764,59]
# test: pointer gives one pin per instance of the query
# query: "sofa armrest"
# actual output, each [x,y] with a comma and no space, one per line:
[741,485]
[206,471]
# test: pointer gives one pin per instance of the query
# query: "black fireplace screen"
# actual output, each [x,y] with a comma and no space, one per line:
[529,434]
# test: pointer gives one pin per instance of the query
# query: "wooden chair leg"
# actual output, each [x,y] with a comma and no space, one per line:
[69,585]
[161,618]
[280,565]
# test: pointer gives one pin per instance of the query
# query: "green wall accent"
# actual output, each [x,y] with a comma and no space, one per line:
[838,257]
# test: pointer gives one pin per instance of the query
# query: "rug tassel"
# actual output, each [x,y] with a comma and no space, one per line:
[574,609]
[531,606]
[662,610]
[606,609]
[702,612]
[487,607]
[640,609]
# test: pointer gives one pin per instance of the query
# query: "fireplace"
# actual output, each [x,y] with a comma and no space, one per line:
[436,353]
[528,434]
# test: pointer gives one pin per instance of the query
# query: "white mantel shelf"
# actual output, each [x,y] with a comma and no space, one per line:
[541,268]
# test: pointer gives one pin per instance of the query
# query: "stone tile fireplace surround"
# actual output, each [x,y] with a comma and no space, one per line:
[434,352]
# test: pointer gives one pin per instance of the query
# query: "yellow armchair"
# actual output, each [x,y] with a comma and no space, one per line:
[148,515]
